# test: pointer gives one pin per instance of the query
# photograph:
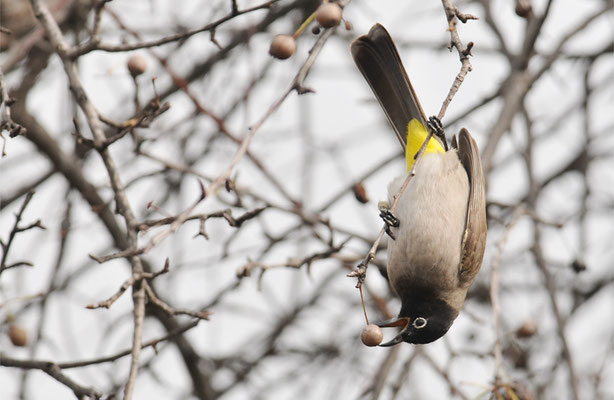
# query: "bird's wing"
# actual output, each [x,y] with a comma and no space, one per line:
[377,58]
[474,237]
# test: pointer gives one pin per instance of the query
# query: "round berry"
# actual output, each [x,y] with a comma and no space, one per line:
[360,193]
[137,64]
[18,335]
[329,15]
[371,335]
[527,329]
[282,47]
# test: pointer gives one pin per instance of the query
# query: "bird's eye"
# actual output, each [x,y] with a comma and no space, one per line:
[419,323]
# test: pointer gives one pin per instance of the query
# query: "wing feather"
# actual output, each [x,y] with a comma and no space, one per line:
[474,237]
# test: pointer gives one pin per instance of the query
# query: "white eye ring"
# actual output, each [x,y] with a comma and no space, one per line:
[419,323]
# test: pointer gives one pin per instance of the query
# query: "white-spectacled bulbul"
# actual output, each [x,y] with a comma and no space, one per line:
[439,233]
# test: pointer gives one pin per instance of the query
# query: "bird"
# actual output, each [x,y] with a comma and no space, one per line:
[438,230]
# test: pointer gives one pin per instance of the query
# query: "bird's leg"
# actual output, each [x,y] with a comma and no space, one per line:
[436,127]
[389,219]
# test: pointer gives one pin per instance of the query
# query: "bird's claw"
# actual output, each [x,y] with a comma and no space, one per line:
[390,220]
[434,124]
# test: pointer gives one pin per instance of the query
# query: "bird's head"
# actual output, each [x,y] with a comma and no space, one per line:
[422,321]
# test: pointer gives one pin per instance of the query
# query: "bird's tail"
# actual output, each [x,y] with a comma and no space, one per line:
[378,60]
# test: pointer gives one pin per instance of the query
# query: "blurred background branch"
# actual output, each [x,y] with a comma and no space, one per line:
[168,138]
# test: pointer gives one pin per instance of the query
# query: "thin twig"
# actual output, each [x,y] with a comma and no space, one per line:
[383,370]
[444,374]
[14,231]
[404,373]
[151,296]
[53,370]
[151,343]
[540,260]
[494,290]
[94,44]
[452,13]
[6,122]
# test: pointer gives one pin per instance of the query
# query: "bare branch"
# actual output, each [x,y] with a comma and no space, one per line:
[14,231]
[53,370]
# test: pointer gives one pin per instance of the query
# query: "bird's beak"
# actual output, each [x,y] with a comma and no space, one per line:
[403,322]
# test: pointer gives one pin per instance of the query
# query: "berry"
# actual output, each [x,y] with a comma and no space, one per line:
[371,335]
[527,329]
[360,193]
[18,335]
[282,47]
[329,15]
[137,64]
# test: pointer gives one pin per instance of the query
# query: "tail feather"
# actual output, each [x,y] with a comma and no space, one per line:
[378,60]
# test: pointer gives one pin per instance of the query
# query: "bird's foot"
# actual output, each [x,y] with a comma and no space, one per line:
[434,124]
[389,219]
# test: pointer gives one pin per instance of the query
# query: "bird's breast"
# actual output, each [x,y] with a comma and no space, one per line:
[432,213]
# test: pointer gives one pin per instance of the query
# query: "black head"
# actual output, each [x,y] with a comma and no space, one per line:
[423,320]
